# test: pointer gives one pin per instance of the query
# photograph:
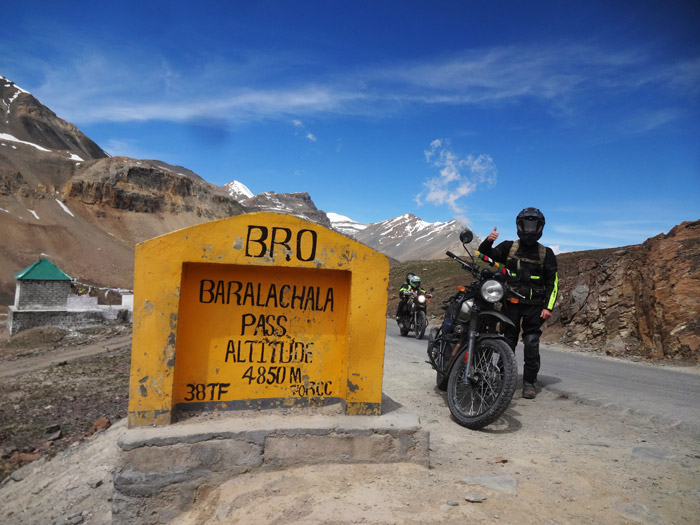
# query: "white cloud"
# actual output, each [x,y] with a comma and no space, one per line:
[457,178]
[102,85]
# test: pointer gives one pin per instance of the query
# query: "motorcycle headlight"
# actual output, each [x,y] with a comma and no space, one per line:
[421,299]
[492,291]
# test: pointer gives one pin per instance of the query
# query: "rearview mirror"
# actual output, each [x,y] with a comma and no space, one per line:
[466,236]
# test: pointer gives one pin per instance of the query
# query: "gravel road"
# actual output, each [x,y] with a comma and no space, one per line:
[552,460]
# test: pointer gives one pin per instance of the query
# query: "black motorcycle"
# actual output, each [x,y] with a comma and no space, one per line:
[414,316]
[468,351]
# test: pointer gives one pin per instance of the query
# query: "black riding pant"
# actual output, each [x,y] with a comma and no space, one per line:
[526,317]
[401,308]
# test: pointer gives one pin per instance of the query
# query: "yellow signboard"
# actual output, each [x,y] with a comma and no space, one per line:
[257,310]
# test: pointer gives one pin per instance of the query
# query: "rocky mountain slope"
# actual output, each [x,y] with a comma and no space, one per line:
[63,197]
[641,300]
[409,238]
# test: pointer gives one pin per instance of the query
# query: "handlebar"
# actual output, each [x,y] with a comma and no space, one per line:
[499,268]
[465,264]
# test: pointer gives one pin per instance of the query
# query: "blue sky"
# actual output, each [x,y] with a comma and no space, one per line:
[589,111]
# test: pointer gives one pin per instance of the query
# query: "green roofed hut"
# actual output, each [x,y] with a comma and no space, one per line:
[42,299]
[41,286]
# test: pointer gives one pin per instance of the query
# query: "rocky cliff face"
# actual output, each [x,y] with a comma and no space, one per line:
[642,300]
[299,204]
[148,187]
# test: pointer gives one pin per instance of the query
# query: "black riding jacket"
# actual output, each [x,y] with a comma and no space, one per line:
[537,281]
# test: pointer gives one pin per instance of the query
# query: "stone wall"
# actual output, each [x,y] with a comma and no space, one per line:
[41,295]
[19,320]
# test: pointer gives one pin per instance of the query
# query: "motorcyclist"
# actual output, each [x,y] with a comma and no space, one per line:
[412,284]
[536,284]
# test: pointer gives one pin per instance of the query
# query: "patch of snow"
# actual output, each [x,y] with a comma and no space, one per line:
[10,83]
[3,209]
[238,189]
[73,156]
[65,208]
[33,213]
[7,136]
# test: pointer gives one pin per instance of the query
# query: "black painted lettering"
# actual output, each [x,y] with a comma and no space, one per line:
[310,298]
[246,321]
[257,296]
[311,249]
[249,294]
[329,300]
[271,296]
[299,298]
[284,303]
[205,291]
[219,294]
[284,242]
[282,329]
[250,350]
[234,288]
[260,240]
[308,353]
[231,351]
[223,389]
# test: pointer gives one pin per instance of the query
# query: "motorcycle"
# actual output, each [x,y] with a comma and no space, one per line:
[469,353]
[415,314]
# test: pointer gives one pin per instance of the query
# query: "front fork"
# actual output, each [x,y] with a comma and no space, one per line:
[471,342]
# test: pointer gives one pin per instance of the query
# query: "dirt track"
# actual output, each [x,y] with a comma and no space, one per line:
[550,460]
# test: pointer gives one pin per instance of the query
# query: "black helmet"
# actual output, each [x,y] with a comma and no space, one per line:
[530,223]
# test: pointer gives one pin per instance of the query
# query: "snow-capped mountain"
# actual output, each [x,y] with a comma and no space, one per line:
[238,191]
[408,237]
[299,204]
[345,224]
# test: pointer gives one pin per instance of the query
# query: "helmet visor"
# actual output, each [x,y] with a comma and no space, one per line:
[529,225]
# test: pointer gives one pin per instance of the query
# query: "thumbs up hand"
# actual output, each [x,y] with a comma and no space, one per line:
[493,235]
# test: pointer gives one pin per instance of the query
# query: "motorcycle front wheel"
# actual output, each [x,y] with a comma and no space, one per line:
[403,329]
[421,324]
[478,401]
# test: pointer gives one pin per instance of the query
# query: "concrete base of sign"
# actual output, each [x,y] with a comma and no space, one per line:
[163,467]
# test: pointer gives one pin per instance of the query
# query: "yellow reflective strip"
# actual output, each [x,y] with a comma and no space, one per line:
[555,291]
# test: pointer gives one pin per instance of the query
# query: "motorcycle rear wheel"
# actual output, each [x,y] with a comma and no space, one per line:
[480,401]
[421,324]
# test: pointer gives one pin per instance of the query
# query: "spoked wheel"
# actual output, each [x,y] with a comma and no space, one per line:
[421,324]
[479,401]
[438,353]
